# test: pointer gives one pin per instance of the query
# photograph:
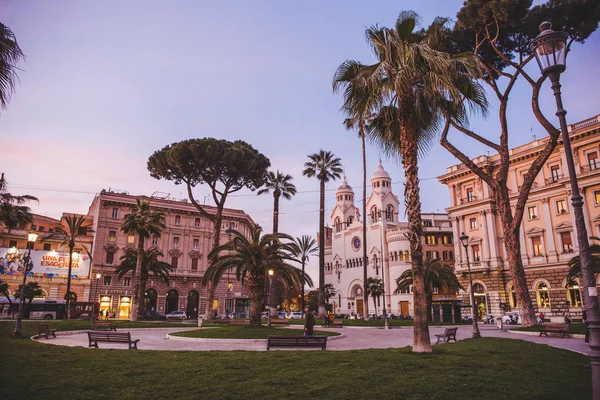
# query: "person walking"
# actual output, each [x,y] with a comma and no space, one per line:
[309,322]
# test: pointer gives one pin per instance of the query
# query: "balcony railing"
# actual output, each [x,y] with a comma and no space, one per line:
[468,199]
[553,179]
[534,185]
[590,167]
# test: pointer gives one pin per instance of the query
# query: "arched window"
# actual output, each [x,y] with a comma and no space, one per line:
[478,288]
[338,224]
[406,255]
[374,213]
[512,297]
[400,256]
[574,295]
[543,295]
[350,220]
[389,215]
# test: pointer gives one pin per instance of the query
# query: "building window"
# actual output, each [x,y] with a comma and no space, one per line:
[112,236]
[428,255]
[194,264]
[446,239]
[561,206]
[110,257]
[174,261]
[178,220]
[593,161]
[196,243]
[450,255]
[472,223]
[130,239]
[543,296]
[176,241]
[567,243]
[126,282]
[155,240]
[538,249]
[197,222]
[470,195]
[476,253]
[115,212]
[47,246]
[406,255]
[427,224]
[41,229]
[513,297]
[430,239]
[555,173]
[107,280]
[338,224]
[574,295]
[597,196]
[532,212]
[12,243]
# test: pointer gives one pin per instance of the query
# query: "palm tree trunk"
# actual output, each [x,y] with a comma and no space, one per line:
[374,306]
[364,227]
[71,246]
[273,299]
[409,149]
[141,305]
[256,288]
[133,316]
[322,310]
[303,290]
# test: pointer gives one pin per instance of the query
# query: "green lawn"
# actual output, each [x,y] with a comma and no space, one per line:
[246,332]
[470,369]
[576,328]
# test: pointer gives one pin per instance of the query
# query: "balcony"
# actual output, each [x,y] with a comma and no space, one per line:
[468,199]
[590,167]
[553,179]
[534,185]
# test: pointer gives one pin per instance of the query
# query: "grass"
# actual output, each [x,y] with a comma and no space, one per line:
[246,332]
[492,368]
[576,328]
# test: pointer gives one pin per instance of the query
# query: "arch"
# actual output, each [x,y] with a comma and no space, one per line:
[356,290]
[542,293]
[350,220]
[193,304]
[172,303]
[150,299]
[479,288]
[389,213]
[406,255]
[373,213]
[573,295]
[337,223]
[512,295]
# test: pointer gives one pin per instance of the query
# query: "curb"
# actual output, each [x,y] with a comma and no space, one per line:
[531,333]
[209,340]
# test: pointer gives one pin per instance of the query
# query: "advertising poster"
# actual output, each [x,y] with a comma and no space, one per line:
[45,263]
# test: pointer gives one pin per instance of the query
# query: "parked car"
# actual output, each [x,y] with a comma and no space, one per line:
[180,315]
[511,318]
[151,315]
[264,314]
[295,315]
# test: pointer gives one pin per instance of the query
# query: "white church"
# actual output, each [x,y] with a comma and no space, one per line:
[388,248]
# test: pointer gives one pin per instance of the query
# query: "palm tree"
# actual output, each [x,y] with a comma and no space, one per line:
[375,289]
[143,222]
[325,167]
[14,214]
[150,265]
[301,250]
[411,88]
[329,291]
[4,291]
[74,227]
[32,289]
[10,55]
[436,276]
[251,257]
[575,262]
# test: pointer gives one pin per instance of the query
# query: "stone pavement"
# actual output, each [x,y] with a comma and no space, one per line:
[354,338]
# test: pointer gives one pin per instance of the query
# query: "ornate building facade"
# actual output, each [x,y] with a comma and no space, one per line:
[388,248]
[548,237]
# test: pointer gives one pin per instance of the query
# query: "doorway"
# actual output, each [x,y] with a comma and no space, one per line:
[172,301]
[192,304]
[150,299]
[403,306]
[360,309]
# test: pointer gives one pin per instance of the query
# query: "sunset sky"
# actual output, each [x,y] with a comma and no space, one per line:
[105,84]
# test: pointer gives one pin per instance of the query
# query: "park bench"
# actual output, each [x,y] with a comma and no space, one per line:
[449,334]
[101,325]
[297,341]
[240,322]
[113,337]
[280,322]
[221,321]
[336,323]
[555,328]
[44,330]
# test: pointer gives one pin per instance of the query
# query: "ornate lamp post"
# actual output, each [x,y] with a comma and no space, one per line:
[271,272]
[464,239]
[95,298]
[27,267]
[550,50]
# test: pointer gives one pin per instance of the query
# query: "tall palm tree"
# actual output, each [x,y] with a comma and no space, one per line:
[150,265]
[411,88]
[301,249]
[143,222]
[74,227]
[250,257]
[10,55]
[436,276]
[325,167]
[575,262]
[329,291]
[375,289]
[14,214]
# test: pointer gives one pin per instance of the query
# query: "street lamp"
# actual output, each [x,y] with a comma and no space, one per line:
[550,50]
[95,297]
[464,239]
[271,272]
[27,267]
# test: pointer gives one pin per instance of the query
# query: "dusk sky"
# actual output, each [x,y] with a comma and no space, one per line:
[105,84]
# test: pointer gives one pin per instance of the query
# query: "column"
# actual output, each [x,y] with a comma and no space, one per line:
[552,254]
[572,214]
[524,256]
[494,250]
[486,239]
[586,213]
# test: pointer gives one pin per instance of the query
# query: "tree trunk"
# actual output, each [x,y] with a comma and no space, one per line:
[141,305]
[375,307]
[515,262]
[273,299]
[71,246]
[133,316]
[211,287]
[256,288]
[364,227]
[409,149]
[322,310]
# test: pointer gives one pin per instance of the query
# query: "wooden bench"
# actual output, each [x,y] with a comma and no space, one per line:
[240,322]
[280,322]
[297,341]
[101,325]
[44,330]
[555,328]
[336,323]
[113,337]
[221,321]
[449,334]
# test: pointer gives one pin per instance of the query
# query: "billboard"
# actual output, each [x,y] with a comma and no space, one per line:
[45,263]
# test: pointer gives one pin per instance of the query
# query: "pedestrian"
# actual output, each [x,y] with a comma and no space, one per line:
[587,329]
[309,322]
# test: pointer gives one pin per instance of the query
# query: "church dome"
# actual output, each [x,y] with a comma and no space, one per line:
[344,187]
[380,173]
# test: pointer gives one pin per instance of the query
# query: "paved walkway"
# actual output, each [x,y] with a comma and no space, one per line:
[354,338]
